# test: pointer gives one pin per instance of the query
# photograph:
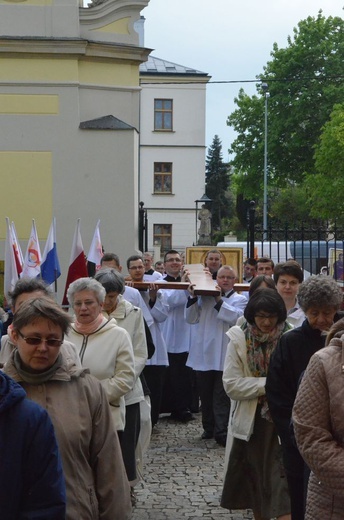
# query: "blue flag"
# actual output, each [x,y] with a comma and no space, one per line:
[50,266]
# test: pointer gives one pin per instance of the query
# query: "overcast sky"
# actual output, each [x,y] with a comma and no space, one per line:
[230,40]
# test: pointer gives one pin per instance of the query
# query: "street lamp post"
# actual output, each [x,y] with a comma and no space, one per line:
[265,89]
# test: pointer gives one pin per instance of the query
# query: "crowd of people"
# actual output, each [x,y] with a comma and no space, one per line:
[81,391]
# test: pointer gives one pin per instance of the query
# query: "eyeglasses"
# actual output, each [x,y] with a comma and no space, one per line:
[136,267]
[51,342]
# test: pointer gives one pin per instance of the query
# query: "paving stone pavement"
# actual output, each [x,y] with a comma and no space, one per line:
[183,476]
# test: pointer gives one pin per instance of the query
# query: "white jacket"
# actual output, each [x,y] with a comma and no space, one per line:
[130,318]
[241,386]
[176,331]
[209,346]
[159,313]
[108,354]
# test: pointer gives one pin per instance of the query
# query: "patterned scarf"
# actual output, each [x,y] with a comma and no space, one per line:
[260,345]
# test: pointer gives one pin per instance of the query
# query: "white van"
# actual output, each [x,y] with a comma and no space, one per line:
[277,251]
[312,255]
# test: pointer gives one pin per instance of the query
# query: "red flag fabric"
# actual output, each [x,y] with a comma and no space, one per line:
[77,264]
[18,255]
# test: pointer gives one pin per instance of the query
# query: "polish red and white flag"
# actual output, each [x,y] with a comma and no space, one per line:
[77,264]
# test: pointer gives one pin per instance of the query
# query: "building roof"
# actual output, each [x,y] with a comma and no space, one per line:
[109,122]
[158,66]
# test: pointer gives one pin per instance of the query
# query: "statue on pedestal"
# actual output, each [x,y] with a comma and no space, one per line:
[204,230]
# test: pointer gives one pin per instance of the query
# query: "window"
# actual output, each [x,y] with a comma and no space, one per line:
[163,236]
[163,114]
[162,177]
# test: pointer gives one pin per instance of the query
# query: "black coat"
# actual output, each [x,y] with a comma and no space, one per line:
[287,364]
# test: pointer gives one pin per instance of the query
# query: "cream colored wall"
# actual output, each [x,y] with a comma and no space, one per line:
[51,167]
[48,165]
[123,103]
[39,18]
[27,187]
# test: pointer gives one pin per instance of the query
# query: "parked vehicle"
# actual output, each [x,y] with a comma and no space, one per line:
[314,256]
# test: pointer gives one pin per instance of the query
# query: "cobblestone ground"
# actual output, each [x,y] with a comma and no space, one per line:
[182,476]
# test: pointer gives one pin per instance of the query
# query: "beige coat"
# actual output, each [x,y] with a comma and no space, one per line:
[108,354]
[130,318]
[318,417]
[96,482]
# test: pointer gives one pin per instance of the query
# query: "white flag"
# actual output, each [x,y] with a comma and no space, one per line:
[33,258]
[11,273]
[95,253]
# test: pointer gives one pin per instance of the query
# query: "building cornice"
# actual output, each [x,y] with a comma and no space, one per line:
[72,47]
[151,78]
[110,10]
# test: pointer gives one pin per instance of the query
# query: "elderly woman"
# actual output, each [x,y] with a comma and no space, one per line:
[96,483]
[254,478]
[319,298]
[104,348]
[318,418]
[130,318]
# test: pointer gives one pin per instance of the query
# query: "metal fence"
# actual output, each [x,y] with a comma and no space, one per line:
[318,247]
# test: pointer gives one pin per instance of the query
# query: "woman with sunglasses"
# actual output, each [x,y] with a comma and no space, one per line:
[96,482]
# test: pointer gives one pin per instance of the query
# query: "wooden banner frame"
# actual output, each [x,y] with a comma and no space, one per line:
[232,256]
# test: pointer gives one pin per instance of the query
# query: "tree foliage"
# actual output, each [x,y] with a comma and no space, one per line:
[326,187]
[305,80]
[217,183]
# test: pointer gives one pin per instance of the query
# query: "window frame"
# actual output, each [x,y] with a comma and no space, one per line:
[163,111]
[166,176]
[163,238]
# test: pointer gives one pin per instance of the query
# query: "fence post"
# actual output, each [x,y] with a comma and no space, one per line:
[142,224]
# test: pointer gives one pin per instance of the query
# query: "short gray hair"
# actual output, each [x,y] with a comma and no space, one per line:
[227,268]
[41,308]
[319,291]
[111,280]
[86,284]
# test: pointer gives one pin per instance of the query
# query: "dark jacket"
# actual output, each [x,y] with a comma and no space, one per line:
[287,363]
[31,479]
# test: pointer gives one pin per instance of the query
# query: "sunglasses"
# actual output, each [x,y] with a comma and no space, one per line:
[51,342]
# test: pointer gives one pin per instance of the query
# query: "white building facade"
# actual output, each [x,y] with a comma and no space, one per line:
[172,151]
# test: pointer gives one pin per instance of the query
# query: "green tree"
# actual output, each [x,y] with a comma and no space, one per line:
[305,80]
[290,203]
[326,187]
[217,183]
